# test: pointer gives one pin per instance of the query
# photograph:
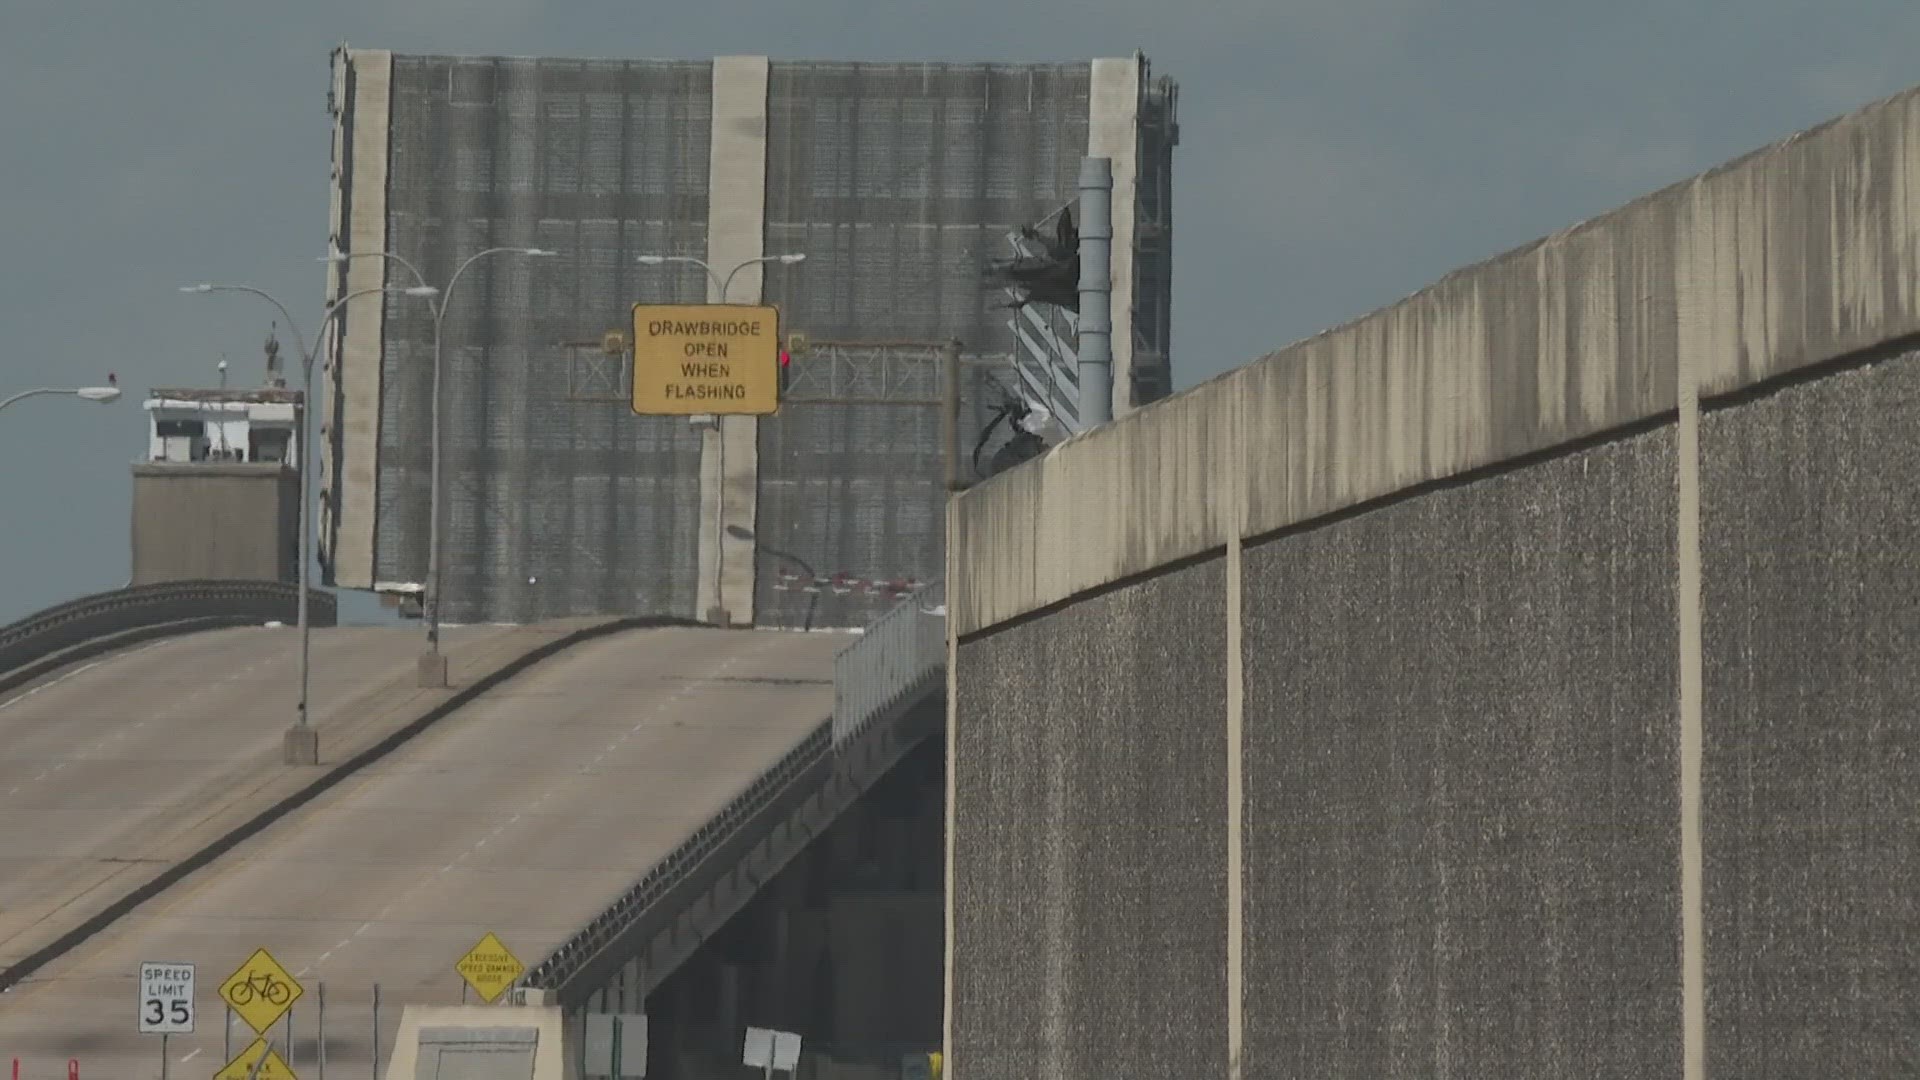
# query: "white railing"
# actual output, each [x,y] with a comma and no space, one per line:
[895,657]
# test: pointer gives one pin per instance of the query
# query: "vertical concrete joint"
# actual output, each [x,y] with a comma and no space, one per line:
[1693,980]
[953,744]
[1236,782]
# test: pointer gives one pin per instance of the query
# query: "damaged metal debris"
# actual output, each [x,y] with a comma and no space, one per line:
[1050,276]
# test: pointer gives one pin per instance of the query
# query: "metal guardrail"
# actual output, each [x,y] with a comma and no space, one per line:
[894,657]
[101,614]
[667,873]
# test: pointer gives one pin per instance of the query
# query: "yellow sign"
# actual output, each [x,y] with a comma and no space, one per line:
[694,359]
[242,1066]
[489,968]
[261,991]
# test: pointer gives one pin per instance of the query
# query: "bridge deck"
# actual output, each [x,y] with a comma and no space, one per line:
[115,768]
[524,814]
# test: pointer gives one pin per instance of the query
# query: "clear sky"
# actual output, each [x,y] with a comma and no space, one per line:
[1336,155]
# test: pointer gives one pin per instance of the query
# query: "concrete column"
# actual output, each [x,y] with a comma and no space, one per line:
[354,476]
[1113,132]
[736,228]
[1095,348]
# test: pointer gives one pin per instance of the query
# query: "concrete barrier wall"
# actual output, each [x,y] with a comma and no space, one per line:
[1459,850]
[1811,800]
[1462,798]
[1422,816]
[1800,253]
[1089,899]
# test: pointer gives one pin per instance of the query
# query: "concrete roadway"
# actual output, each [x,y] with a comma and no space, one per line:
[523,814]
[111,769]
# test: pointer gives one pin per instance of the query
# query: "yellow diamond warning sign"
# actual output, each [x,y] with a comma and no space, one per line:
[693,359]
[261,991]
[489,968]
[242,1065]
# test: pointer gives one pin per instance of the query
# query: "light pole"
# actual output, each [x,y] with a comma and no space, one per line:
[302,744]
[102,394]
[433,664]
[720,457]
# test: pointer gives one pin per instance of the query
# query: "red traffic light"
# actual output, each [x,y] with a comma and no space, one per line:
[785,358]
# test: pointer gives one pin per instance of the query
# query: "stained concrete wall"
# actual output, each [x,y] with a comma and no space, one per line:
[1461,784]
[1413,588]
[1089,911]
[1811,807]
[1803,252]
[1460,818]
[215,522]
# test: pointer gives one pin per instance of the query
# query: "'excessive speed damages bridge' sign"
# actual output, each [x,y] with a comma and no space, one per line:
[711,359]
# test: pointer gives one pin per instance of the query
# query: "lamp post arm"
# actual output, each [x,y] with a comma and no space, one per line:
[27,394]
[292,327]
[711,275]
[334,310]
[792,558]
[730,274]
[419,278]
[462,268]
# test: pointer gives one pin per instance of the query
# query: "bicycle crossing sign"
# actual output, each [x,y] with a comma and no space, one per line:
[489,967]
[261,991]
[241,1067]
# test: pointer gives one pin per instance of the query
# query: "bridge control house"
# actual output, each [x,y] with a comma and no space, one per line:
[218,492]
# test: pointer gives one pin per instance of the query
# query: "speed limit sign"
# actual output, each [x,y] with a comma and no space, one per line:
[166,999]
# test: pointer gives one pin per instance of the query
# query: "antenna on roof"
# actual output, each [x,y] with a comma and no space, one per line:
[273,357]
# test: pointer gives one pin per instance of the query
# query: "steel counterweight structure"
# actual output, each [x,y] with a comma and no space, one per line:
[898,181]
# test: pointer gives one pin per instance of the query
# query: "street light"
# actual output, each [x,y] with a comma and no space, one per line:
[433,665]
[303,746]
[101,394]
[723,285]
